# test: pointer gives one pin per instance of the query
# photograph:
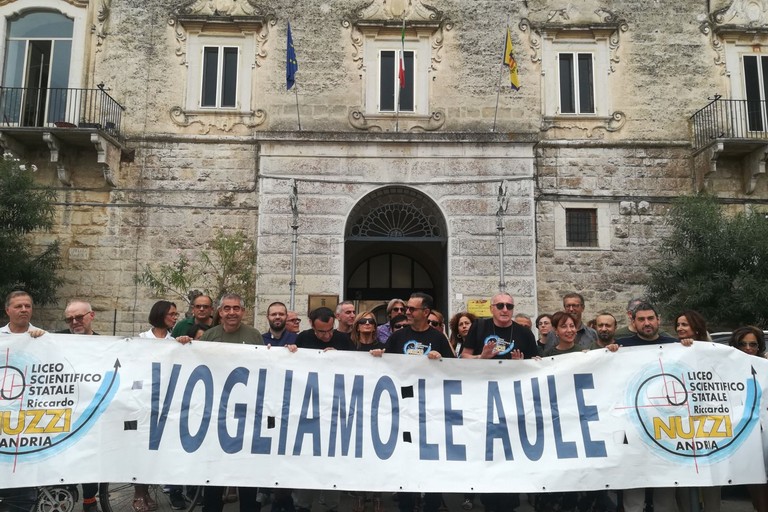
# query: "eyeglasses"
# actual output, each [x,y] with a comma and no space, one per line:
[398,326]
[398,308]
[172,315]
[77,318]
[501,305]
[434,323]
[411,309]
[202,306]
[367,321]
[745,344]
[294,320]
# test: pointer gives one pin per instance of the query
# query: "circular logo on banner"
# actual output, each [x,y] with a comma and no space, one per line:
[502,346]
[683,413]
[414,348]
[45,406]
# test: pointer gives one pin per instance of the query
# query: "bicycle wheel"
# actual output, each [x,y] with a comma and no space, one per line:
[118,497]
[22,499]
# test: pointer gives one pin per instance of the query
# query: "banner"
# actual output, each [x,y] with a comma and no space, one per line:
[108,409]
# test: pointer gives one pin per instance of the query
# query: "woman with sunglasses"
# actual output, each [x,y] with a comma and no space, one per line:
[436,320]
[751,340]
[364,332]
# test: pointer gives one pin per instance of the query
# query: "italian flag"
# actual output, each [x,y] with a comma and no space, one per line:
[402,57]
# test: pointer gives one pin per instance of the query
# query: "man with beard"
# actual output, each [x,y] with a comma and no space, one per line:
[278,334]
[645,321]
[605,325]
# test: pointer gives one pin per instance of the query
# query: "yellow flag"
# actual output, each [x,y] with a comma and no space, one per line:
[509,60]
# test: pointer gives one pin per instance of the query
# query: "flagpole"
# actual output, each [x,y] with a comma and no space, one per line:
[498,85]
[298,115]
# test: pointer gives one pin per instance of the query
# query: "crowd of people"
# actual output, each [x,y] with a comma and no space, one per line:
[413,327]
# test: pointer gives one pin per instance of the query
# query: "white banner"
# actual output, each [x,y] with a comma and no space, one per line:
[98,409]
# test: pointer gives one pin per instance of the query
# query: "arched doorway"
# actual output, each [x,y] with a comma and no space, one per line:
[395,244]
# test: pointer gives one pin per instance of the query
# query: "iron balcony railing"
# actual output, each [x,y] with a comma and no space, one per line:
[61,108]
[730,119]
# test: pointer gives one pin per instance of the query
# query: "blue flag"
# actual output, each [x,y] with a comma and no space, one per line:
[291,65]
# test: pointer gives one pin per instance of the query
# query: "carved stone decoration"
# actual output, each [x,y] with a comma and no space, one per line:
[53,145]
[610,18]
[247,13]
[534,38]
[705,164]
[11,145]
[435,122]
[753,166]
[357,120]
[612,123]
[708,29]
[108,155]
[751,13]
[65,177]
[101,27]
[221,121]
[437,44]
[224,8]
[357,42]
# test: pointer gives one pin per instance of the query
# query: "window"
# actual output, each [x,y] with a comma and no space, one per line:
[382,69]
[576,83]
[219,77]
[576,73]
[756,90]
[36,68]
[220,72]
[390,90]
[582,225]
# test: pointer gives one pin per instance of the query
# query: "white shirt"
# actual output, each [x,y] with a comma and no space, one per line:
[6,329]
[150,334]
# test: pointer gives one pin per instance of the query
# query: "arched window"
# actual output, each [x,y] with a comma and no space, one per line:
[36,69]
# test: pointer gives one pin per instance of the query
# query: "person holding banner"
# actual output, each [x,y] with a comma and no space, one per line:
[460,324]
[564,325]
[418,338]
[751,340]
[364,332]
[232,329]
[162,318]
[18,307]
[500,337]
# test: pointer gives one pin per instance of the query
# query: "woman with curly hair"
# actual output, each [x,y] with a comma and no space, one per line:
[459,325]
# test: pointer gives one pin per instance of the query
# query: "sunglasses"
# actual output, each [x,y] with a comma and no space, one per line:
[411,309]
[367,321]
[434,323]
[399,326]
[76,318]
[501,305]
[398,308]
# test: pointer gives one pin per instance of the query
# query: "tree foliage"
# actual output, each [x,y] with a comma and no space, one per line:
[714,263]
[26,207]
[225,267]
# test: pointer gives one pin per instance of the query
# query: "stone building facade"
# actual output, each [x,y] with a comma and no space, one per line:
[571,174]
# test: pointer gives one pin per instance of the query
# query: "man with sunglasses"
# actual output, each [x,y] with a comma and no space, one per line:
[79,315]
[395,307]
[500,337]
[418,338]
[202,311]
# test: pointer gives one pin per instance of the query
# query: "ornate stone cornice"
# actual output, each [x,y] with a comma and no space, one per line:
[377,15]
[213,15]
[409,123]
[76,3]
[221,121]
[603,21]
[742,18]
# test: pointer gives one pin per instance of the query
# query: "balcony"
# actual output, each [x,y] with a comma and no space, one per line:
[735,130]
[63,120]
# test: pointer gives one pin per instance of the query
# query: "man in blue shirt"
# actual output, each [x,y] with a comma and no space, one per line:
[278,335]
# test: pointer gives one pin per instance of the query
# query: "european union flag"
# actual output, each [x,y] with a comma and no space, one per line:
[291,65]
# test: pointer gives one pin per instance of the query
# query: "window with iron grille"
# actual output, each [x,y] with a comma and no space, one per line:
[581,227]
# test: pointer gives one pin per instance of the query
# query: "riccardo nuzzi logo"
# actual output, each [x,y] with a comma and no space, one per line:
[692,415]
[46,406]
